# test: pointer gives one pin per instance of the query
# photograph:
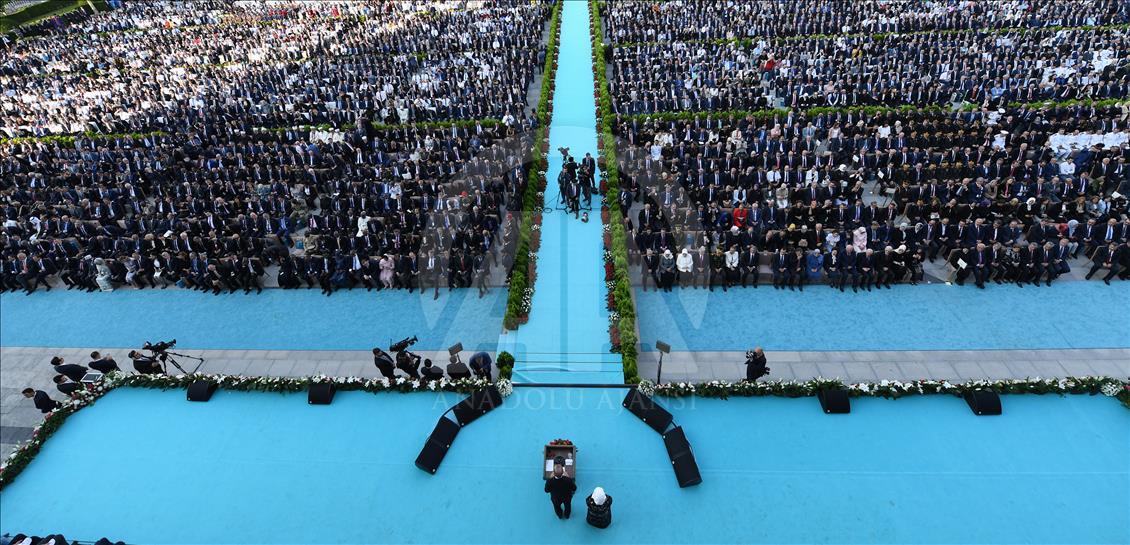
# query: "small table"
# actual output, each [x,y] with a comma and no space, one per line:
[568,452]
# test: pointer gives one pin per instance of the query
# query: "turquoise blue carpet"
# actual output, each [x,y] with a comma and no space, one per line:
[273,320]
[932,317]
[146,466]
[566,339]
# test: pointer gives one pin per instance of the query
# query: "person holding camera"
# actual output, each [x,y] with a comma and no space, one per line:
[146,365]
[755,365]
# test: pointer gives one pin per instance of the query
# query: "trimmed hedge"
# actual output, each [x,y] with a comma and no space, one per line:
[518,300]
[624,330]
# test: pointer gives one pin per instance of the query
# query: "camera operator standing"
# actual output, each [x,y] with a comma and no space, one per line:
[146,365]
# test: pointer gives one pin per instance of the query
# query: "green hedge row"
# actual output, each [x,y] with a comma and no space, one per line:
[622,286]
[517,303]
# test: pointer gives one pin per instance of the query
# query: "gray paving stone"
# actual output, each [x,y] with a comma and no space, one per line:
[784,356]
[862,372]
[996,369]
[1113,368]
[1049,369]
[831,369]
[280,368]
[967,370]
[814,356]
[914,371]
[804,370]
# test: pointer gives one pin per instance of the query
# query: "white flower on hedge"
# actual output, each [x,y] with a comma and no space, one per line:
[1110,389]
[505,387]
[646,387]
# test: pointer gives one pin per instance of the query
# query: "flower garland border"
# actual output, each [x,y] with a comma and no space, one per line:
[523,274]
[893,389]
[22,456]
[621,304]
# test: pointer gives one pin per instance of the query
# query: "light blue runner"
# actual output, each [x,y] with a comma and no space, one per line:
[566,339]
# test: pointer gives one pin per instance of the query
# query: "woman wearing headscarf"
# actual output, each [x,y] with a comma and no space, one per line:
[102,275]
[600,508]
[859,238]
[684,264]
[666,270]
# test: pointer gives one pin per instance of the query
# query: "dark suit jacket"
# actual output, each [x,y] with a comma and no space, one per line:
[560,488]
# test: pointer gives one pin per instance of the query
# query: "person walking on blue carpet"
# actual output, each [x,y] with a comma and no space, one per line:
[561,488]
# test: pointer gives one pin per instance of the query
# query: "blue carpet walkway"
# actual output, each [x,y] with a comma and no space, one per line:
[566,339]
[274,320]
[931,317]
[146,466]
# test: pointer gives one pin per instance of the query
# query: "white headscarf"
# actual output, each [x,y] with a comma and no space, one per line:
[598,496]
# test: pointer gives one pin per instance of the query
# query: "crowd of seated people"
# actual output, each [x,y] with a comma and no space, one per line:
[915,69]
[999,145]
[714,200]
[203,153]
[629,22]
[49,539]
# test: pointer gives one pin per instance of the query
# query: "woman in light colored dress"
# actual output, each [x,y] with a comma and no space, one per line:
[102,276]
[859,239]
[386,264]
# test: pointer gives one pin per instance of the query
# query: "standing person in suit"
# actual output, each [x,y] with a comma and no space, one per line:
[43,402]
[72,371]
[560,488]
[102,364]
[384,364]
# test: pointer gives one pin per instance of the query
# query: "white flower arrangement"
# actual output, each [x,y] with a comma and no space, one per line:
[646,387]
[505,387]
[535,227]
[1110,389]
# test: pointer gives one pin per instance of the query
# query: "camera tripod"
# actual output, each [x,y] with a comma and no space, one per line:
[167,357]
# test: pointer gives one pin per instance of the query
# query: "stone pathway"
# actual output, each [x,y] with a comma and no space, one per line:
[864,366]
[22,367]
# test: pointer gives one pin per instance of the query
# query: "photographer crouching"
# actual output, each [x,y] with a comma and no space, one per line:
[755,365]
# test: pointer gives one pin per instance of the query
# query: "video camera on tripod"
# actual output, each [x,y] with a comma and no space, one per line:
[161,353]
[160,349]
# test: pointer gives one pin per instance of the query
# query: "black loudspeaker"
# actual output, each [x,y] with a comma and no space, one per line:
[436,448]
[481,402]
[321,393]
[201,390]
[645,409]
[983,402]
[834,400]
[682,459]
[458,370]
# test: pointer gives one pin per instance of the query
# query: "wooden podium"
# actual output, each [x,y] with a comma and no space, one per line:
[568,452]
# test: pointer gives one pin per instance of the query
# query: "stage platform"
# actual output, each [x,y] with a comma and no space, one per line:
[146,466]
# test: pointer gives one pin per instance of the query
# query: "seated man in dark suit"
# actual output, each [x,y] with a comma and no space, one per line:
[72,371]
[43,402]
[102,364]
[1108,258]
[146,365]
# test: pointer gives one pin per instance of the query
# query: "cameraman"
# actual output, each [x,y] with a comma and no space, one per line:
[408,362]
[755,365]
[146,365]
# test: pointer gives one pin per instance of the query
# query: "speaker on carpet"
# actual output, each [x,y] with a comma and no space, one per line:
[438,442]
[647,410]
[321,393]
[457,370]
[480,403]
[201,390]
[834,400]
[682,459]
[983,402]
